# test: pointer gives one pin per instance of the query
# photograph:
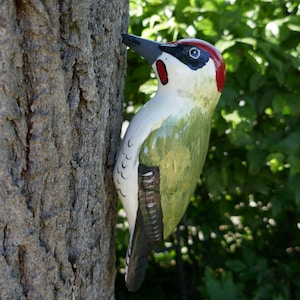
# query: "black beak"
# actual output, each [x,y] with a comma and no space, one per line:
[148,49]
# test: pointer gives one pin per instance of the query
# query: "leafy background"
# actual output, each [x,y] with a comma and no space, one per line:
[240,238]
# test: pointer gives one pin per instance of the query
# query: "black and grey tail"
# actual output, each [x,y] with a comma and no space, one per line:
[148,229]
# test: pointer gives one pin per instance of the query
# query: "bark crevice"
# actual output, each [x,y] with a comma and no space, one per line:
[59,127]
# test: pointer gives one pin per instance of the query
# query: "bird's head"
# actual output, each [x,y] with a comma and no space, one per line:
[192,68]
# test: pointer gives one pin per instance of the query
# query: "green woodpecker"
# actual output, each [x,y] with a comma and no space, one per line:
[165,145]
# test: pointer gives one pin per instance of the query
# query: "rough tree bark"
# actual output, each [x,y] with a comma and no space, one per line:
[61,84]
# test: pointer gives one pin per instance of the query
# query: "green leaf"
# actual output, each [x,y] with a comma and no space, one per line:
[256,81]
[248,40]
[236,265]
[223,45]
[256,161]
[294,23]
[295,186]
[232,61]
[290,144]
[294,162]
[220,289]
[276,162]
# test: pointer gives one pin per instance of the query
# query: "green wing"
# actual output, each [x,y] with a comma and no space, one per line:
[179,149]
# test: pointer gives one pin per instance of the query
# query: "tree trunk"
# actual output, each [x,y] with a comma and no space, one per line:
[61,84]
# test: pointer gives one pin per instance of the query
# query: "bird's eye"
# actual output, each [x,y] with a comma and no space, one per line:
[194,53]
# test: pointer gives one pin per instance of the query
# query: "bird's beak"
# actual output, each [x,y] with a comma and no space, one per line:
[148,49]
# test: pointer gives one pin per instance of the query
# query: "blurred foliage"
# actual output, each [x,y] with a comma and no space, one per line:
[240,238]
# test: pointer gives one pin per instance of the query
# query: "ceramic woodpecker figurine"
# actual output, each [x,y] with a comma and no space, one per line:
[164,148]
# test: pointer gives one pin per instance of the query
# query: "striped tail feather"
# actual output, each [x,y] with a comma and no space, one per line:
[148,229]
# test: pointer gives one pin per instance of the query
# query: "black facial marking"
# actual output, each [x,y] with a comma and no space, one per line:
[192,56]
